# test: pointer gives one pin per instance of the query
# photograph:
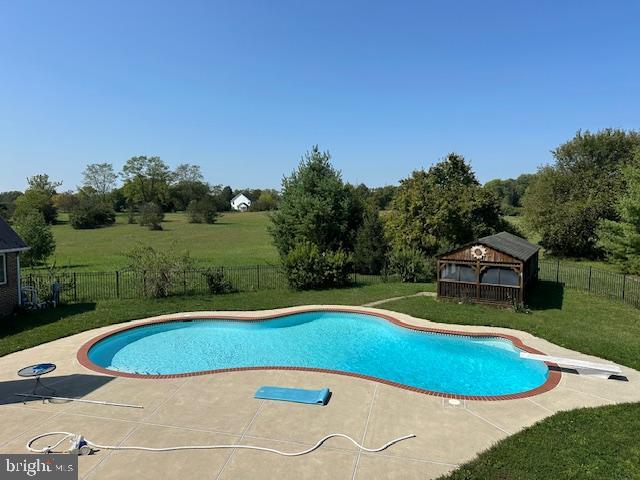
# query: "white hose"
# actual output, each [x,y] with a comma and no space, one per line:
[75,440]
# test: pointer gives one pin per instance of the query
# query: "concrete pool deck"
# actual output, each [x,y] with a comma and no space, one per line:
[220,408]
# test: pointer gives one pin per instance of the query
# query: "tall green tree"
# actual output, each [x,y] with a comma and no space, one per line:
[37,234]
[146,180]
[187,172]
[442,207]
[316,207]
[101,178]
[568,200]
[371,246]
[383,196]
[38,197]
[187,186]
[510,192]
[620,239]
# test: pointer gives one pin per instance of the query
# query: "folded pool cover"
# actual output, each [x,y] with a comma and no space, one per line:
[298,395]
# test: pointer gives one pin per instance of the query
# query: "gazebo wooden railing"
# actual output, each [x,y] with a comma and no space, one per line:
[482,293]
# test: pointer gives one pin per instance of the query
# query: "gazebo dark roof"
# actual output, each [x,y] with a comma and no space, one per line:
[505,242]
[9,239]
[510,244]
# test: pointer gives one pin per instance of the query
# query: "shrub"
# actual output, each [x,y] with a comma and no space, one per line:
[216,282]
[37,234]
[307,268]
[158,270]
[412,265]
[202,211]
[91,213]
[151,216]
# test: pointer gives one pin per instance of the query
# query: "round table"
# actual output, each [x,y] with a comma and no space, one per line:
[36,371]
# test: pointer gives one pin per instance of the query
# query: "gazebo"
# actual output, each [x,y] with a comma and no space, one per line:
[497,269]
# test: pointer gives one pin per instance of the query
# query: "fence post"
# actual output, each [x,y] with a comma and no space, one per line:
[117,284]
[590,268]
[558,272]
[624,284]
[75,287]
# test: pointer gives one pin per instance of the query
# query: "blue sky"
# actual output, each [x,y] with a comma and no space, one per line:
[243,88]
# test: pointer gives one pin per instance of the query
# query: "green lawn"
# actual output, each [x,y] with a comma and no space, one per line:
[236,239]
[586,444]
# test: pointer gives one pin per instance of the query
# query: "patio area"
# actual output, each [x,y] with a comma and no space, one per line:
[220,408]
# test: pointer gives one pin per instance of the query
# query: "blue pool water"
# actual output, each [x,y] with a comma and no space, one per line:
[349,342]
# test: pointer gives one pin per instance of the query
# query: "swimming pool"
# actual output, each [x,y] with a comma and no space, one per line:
[339,341]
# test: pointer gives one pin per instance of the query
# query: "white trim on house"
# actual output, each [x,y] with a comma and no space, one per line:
[3,268]
[15,250]
[19,280]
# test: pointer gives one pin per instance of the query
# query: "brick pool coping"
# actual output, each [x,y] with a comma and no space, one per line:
[553,378]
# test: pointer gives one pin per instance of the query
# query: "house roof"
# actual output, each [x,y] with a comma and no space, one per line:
[240,195]
[9,239]
[505,242]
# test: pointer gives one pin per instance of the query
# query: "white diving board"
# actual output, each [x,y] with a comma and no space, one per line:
[602,370]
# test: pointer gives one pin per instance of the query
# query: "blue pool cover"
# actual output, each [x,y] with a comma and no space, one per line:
[297,395]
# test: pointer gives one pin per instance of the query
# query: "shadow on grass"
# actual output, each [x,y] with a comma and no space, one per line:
[70,386]
[546,296]
[30,319]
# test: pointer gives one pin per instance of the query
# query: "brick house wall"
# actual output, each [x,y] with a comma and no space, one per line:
[9,291]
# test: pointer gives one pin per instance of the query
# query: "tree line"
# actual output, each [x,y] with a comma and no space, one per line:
[145,189]
[584,204]
[325,229]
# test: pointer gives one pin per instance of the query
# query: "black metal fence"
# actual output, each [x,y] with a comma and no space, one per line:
[127,284]
[608,284]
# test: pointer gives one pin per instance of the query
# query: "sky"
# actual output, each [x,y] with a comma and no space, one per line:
[244,88]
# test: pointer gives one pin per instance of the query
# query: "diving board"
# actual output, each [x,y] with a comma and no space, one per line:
[583,367]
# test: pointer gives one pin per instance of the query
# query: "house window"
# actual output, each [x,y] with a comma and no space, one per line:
[459,273]
[3,269]
[499,276]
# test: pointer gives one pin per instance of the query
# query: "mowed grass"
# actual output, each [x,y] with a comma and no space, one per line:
[585,444]
[235,239]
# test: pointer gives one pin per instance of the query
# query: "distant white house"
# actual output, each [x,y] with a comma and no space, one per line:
[240,203]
